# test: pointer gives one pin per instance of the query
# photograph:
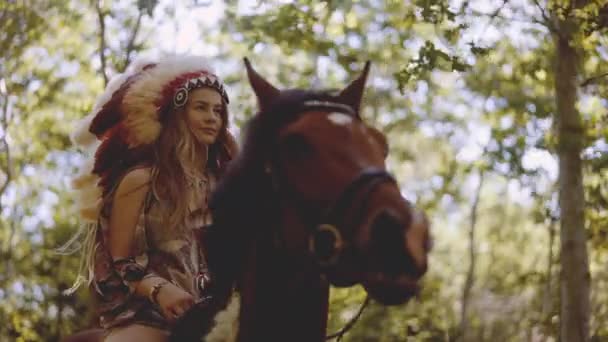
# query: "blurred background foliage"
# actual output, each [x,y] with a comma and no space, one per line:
[467,91]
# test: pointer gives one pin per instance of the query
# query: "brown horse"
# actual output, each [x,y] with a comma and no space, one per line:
[307,203]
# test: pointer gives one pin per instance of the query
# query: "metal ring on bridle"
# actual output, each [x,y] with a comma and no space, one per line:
[338,244]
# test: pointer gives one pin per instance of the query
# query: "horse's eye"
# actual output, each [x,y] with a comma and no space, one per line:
[295,146]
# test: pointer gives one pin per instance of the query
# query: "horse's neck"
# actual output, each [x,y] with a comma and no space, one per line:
[279,304]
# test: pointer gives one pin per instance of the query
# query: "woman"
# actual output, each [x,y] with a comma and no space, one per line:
[159,133]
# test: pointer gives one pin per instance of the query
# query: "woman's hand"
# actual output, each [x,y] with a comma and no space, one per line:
[173,301]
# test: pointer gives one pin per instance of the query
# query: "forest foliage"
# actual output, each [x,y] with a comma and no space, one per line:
[467,93]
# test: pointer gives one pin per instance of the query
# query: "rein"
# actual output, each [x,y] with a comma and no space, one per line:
[340,333]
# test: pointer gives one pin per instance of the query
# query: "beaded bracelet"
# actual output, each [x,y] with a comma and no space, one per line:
[155,290]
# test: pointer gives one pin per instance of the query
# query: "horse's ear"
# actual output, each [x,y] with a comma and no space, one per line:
[353,93]
[263,90]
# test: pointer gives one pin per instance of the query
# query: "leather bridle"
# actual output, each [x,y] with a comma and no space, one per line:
[333,224]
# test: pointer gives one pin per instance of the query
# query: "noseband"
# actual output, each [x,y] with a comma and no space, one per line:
[333,223]
[330,234]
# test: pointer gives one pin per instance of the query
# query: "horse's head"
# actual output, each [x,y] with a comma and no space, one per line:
[340,206]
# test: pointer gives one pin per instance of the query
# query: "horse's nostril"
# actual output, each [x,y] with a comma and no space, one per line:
[388,242]
[387,230]
[395,248]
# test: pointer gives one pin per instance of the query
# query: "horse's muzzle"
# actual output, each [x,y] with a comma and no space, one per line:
[399,247]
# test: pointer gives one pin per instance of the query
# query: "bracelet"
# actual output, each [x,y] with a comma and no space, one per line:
[155,290]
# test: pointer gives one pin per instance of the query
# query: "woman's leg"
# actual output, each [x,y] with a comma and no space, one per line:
[137,332]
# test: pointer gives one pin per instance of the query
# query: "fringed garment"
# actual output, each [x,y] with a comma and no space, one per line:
[173,253]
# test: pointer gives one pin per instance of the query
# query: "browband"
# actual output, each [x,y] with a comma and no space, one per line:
[329,105]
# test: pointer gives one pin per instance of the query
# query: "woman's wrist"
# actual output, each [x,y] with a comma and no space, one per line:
[144,287]
[155,290]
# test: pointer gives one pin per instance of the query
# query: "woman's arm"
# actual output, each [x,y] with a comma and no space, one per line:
[128,201]
[126,210]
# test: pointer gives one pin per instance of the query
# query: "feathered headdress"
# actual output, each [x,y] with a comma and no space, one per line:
[127,119]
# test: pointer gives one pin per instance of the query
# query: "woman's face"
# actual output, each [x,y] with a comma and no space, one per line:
[203,114]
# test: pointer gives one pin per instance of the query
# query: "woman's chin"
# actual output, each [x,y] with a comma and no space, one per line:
[206,139]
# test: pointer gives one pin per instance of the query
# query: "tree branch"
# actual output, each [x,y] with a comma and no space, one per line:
[468,286]
[4,121]
[131,43]
[9,269]
[515,19]
[6,250]
[546,20]
[593,79]
[493,16]
[102,40]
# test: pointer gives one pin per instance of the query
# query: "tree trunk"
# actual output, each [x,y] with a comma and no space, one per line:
[575,277]
[547,305]
[468,285]
[60,308]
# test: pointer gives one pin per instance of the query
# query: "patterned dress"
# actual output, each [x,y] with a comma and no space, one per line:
[172,253]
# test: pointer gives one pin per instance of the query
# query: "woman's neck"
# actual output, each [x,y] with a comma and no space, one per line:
[195,164]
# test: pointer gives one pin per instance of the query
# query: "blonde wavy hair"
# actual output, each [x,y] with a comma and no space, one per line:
[178,154]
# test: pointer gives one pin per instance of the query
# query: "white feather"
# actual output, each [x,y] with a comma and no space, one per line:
[226,322]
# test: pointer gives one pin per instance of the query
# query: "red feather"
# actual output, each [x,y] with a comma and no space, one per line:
[114,157]
[109,115]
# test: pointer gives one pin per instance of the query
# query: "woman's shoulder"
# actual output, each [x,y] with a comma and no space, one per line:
[136,180]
